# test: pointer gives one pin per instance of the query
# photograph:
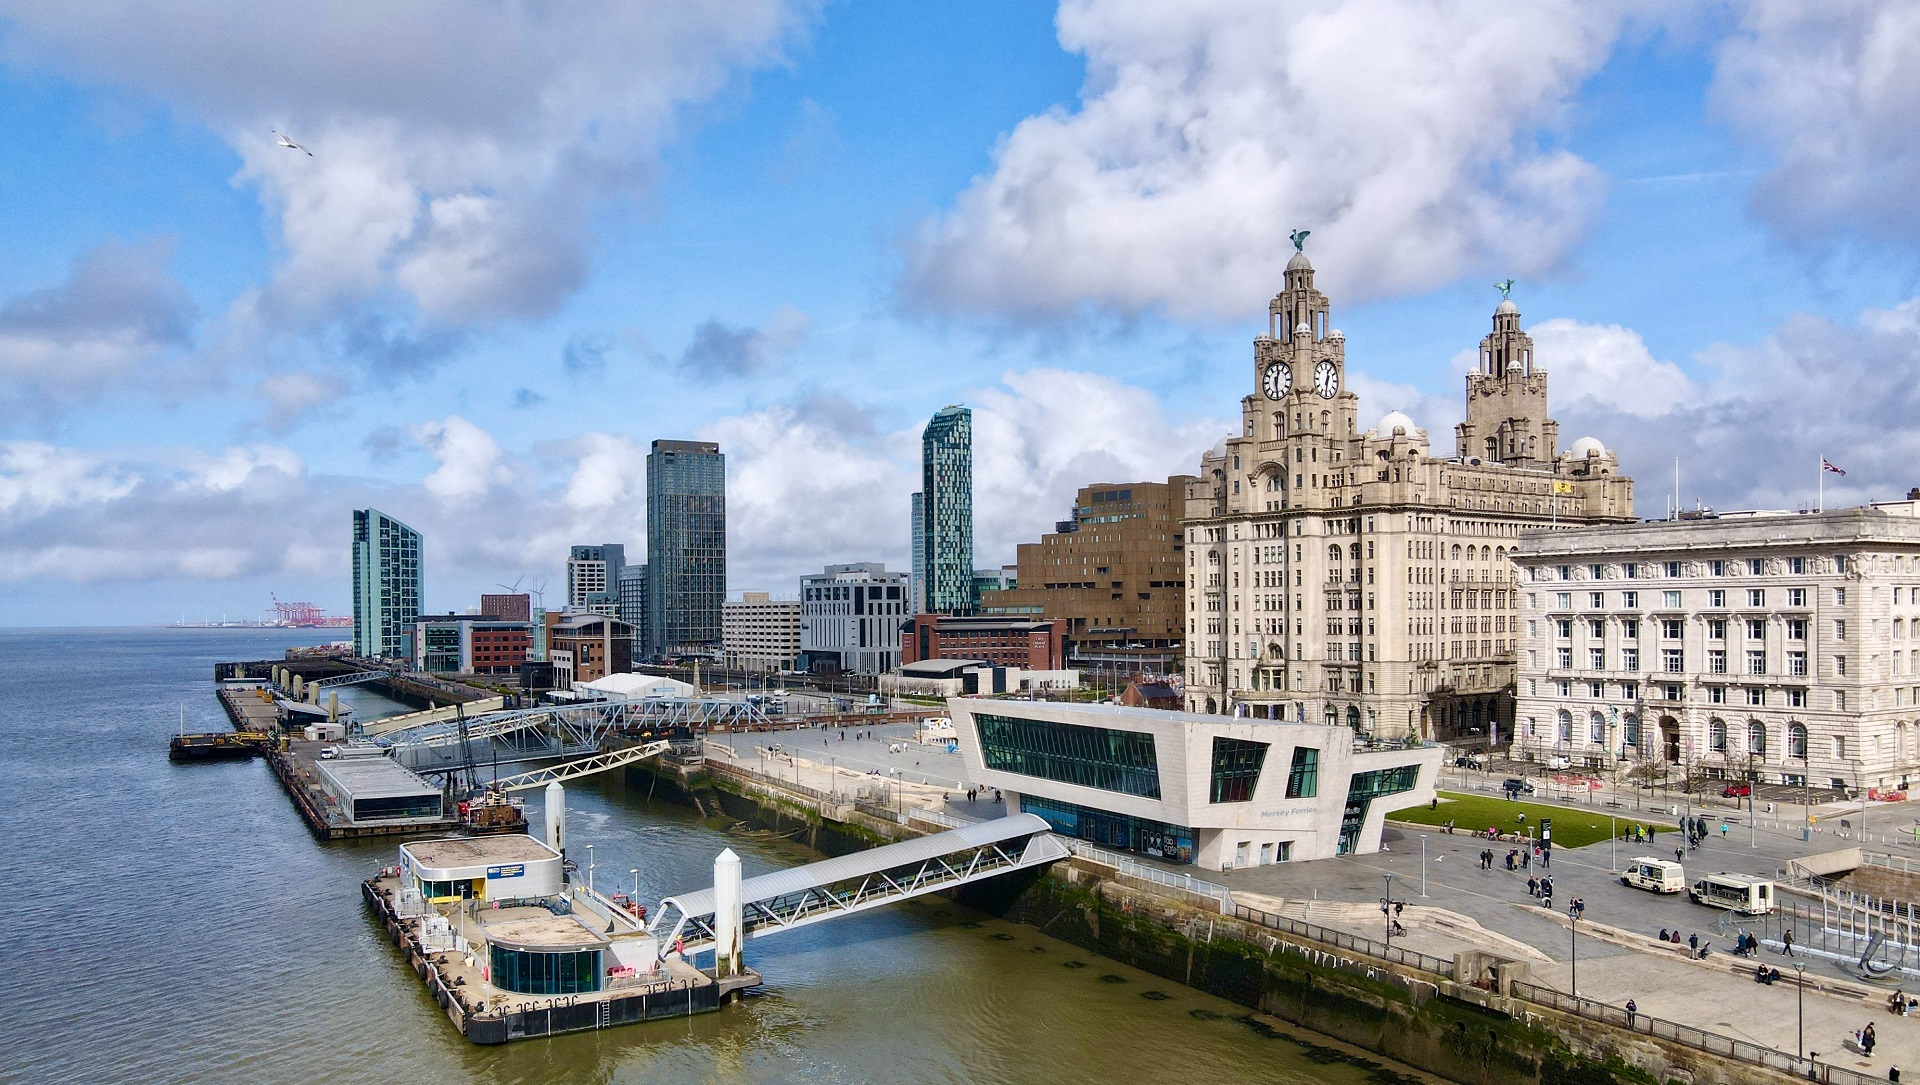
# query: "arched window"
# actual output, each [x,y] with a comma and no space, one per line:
[1633,731]
[1797,740]
[1456,551]
[1211,706]
[1566,727]
[1354,551]
[1333,553]
[1757,738]
[1353,717]
[1597,729]
[1717,736]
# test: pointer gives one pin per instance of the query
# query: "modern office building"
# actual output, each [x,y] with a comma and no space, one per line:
[759,632]
[1189,788]
[1033,645]
[386,584]
[1115,573]
[508,608]
[946,512]
[850,618]
[1772,646]
[469,644]
[1364,577]
[633,605]
[593,577]
[918,590]
[587,648]
[686,547]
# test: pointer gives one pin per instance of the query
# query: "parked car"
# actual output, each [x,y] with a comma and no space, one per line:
[1736,791]
[1514,785]
[1469,761]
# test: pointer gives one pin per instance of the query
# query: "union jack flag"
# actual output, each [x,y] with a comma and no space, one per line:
[1826,465]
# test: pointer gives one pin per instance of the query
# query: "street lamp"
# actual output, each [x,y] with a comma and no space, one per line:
[1806,795]
[1800,978]
[589,868]
[635,871]
[1386,910]
[1573,945]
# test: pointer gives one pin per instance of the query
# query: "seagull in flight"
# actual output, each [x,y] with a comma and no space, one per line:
[291,145]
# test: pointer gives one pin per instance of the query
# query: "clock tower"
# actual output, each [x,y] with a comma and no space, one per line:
[1300,366]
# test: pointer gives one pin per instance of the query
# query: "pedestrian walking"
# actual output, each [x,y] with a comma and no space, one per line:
[1786,942]
[1526,859]
[1533,887]
[1867,1039]
[1678,855]
[1633,1010]
[1546,857]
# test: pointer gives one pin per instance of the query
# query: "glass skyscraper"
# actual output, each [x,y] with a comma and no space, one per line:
[386,583]
[686,546]
[917,586]
[946,513]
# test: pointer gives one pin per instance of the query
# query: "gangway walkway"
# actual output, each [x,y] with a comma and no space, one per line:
[351,679]
[864,880]
[585,766]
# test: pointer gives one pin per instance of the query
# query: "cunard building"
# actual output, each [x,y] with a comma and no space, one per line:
[1362,577]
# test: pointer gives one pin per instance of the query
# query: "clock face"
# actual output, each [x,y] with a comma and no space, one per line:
[1279,380]
[1326,380]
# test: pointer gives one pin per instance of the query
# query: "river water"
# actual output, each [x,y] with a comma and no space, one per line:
[172,923]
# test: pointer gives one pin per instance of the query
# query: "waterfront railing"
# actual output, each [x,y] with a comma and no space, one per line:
[1688,1036]
[1439,966]
[1134,869]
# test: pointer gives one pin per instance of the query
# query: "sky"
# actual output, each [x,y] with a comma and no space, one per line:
[516,242]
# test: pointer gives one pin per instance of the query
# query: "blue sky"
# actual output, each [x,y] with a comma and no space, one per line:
[519,252]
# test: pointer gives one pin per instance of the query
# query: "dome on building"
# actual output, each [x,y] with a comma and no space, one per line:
[1219,451]
[1303,330]
[1337,334]
[1395,422]
[1299,261]
[1506,306]
[1586,446]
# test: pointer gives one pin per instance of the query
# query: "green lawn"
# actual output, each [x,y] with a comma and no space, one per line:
[1473,813]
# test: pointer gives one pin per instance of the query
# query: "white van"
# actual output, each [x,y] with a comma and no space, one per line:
[1741,893]
[328,753]
[1654,875]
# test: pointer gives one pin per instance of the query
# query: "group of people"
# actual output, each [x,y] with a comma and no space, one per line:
[1541,889]
[1745,945]
[1766,975]
[1695,947]
[1901,1004]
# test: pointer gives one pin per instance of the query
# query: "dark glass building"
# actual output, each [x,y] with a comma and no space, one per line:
[686,546]
[946,513]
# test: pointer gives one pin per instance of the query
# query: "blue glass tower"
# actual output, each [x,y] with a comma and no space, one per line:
[386,583]
[686,546]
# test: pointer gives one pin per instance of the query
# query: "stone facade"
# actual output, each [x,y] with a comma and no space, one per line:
[1341,575]
[1776,646]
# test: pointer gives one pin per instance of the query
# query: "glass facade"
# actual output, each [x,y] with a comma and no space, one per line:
[1122,761]
[528,972]
[1303,780]
[686,545]
[946,509]
[1236,769]
[1362,789]
[1144,835]
[386,584]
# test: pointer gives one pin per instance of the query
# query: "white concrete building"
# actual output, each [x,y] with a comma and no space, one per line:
[850,617]
[759,632]
[1776,646]
[1209,790]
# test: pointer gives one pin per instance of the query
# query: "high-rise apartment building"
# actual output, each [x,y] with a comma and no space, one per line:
[1359,577]
[850,618]
[946,512]
[515,607]
[593,578]
[633,604]
[759,632]
[917,590]
[1117,576]
[1777,647]
[686,546]
[386,584]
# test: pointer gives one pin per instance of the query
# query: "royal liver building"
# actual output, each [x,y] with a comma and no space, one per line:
[1362,578]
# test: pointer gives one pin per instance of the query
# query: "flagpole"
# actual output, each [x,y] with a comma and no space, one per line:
[1820,482]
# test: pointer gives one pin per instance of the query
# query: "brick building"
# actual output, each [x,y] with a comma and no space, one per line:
[1003,642]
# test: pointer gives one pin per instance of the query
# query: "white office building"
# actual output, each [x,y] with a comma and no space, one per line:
[759,632]
[1213,791]
[1773,646]
[850,617]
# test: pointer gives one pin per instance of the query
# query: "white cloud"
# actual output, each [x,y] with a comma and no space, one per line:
[471,462]
[1832,92]
[1609,365]
[1412,138]
[117,310]
[458,148]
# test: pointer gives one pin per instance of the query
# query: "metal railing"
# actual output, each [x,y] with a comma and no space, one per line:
[1411,958]
[718,767]
[1134,869]
[1688,1036]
